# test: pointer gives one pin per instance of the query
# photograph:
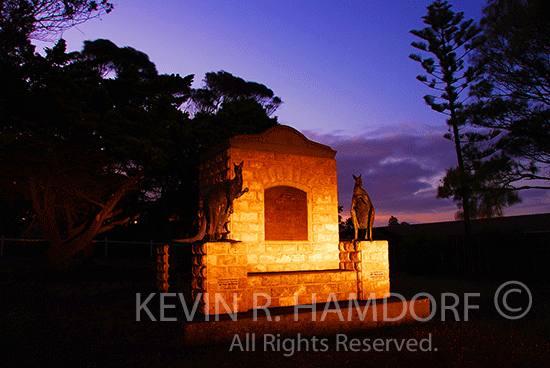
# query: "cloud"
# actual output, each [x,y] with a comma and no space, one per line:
[401,168]
[532,201]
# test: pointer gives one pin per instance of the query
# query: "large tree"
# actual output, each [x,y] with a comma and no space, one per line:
[513,92]
[80,131]
[224,107]
[222,88]
[45,19]
[101,119]
[449,39]
[486,169]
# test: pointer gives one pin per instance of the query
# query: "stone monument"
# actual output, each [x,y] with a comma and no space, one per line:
[282,244]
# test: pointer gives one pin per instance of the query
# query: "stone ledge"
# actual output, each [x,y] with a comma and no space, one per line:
[285,288]
[296,272]
[309,322]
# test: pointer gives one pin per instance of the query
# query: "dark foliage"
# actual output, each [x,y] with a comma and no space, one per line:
[513,91]
[96,138]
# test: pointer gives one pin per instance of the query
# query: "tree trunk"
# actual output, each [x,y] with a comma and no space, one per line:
[79,238]
[465,199]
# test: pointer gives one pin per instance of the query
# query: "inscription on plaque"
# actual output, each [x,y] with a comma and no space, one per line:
[377,275]
[228,284]
[285,214]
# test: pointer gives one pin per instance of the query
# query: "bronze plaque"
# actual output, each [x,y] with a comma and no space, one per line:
[285,214]
[227,284]
[377,275]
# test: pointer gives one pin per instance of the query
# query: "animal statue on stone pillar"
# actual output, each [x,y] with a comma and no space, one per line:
[216,206]
[362,210]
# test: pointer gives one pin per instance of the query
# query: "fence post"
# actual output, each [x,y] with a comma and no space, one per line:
[2,246]
[106,243]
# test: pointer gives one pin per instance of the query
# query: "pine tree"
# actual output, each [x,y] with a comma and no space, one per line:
[449,39]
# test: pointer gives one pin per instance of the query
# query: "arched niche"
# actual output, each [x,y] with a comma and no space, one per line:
[286,216]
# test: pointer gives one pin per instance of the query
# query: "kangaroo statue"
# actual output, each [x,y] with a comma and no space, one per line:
[362,210]
[216,206]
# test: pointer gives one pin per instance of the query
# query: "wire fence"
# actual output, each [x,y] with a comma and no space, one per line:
[532,261]
[110,246]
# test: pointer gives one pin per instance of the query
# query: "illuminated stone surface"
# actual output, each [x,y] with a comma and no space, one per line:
[220,275]
[162,268]
[278,160]
[283,237]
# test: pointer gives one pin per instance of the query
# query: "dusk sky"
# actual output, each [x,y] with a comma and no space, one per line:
[342,71]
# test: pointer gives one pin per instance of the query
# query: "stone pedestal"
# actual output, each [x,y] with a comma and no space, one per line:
[162,268]
[223,281]
[374,270]
[220,276]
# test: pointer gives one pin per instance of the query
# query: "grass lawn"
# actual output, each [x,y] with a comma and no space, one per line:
[87,318]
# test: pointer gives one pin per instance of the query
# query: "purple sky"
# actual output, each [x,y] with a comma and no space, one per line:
[342,71]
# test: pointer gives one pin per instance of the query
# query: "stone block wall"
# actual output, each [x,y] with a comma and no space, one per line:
[286,288]
[314,176]
[221,275]
[280,158]
[220,271]
[374,272]
[283,239]
[370,261]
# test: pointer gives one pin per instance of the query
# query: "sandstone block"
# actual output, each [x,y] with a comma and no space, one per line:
[256,248]
[216,272]
[291,267]
[271,280]
[236,271]
[250,237]
[237,248]
[273,248]
[286,301]
[289,279]
[257,268]
[217,248]
[289,248]
[225,260]
[275,268]
[306,278]
[321,278]
[280,291]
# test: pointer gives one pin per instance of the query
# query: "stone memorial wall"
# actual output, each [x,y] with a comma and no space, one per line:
[283,246]
[289,217]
